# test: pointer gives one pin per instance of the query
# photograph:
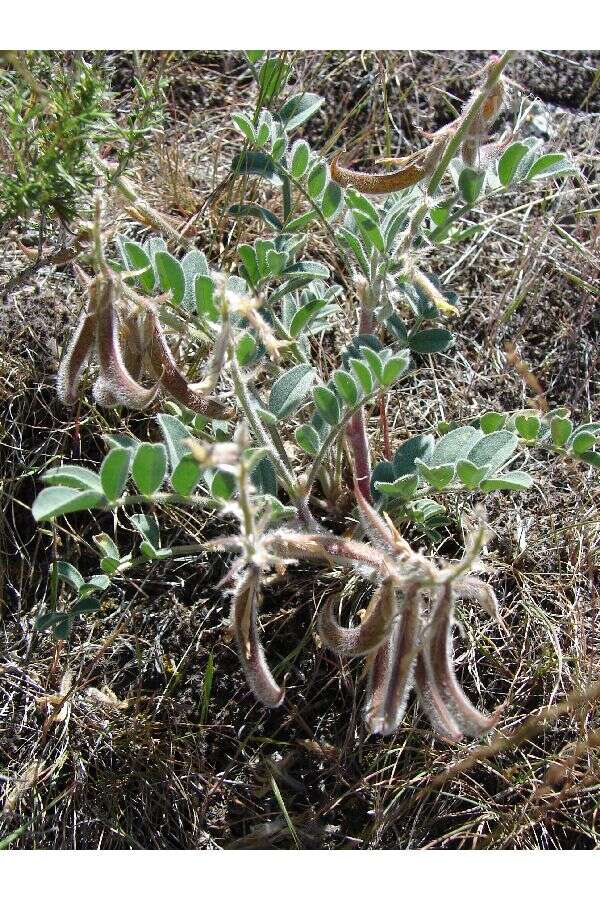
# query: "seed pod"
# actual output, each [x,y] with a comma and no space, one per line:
[370,634]
[392,673]
[134,345]
[76,356]
[433,705]
[103,395]
[244,610]
[438,656]
[372,522]
[115,376]
[165,369]
[374,183]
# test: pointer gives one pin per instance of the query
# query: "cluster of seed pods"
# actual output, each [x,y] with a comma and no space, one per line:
[126,344]
[405,648]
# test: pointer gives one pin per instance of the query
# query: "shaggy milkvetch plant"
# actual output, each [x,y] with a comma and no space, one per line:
[154,316]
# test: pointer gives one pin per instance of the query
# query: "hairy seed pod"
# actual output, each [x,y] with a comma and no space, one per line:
[76,355]
[372,522]
[103,395]
[478,590]
[115,376]
[134,345]
[373,183]
[244,611]
[433,704]
[328,548]
[173,382]
[392,675]
[372,631]
[438,655]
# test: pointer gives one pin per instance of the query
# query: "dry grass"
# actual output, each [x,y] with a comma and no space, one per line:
[115,740]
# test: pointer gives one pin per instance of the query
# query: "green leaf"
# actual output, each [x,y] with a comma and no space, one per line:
[363,374]
[509,162]
[305,315]
[58,501]
[94,584]
[264,478]
[114,473]
[332,200]
[193,263]
[147,527]
[175,435]
[138,259]
[397,327]
[266,416]
[418,447]
[560,429]
[248,256]
[369,230]
[426,512]
[254,55]
[346,387]
[263,135]
[149,467]
[121,440]
[254,162]
[494,449]
[204,291]
[73,476]
[298,109]
[246,349]
[592,457]
[509,481]
[492,421]
[350,241]
[528,427]
[256,211]
[222,485]
[290,389]
[62,629]
[394,368]
[455,445]
[170,274]
[403,487]
[374,362]
[327,404]
[245,126]
[437,476]
[106,546]
[279,147]
[470,474]
[272,76]
[66,572]
[383,473]
[307,437]
[317,180]
[582,442]
[470,183]
[550,164]
[49,620]
[186,476]
[308,267]
[85,604]
[276,262]
[430,340]
[299,158]
[361,203]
